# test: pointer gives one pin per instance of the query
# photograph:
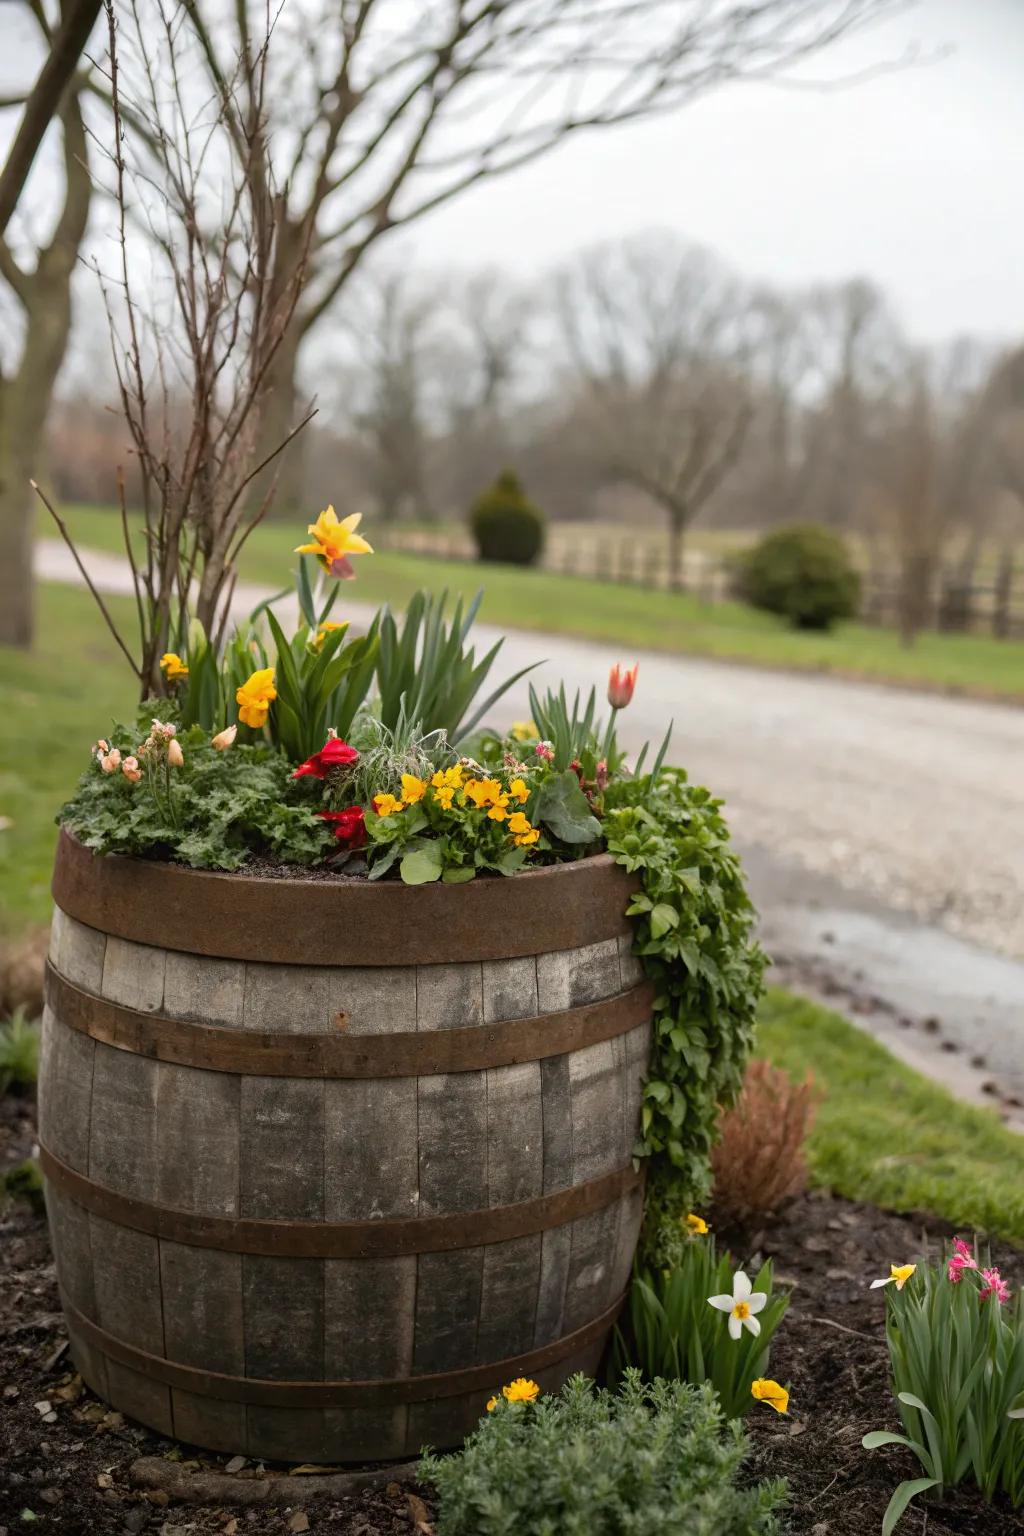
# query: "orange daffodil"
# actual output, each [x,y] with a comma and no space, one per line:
[334,540]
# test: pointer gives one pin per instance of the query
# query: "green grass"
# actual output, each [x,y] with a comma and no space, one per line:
[54,702]
[636,618]
[888,1136]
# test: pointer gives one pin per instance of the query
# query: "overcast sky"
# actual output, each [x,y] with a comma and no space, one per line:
[913,178]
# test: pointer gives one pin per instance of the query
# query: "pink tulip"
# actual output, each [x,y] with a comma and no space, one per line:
[621,683]
[224,739]
[995,1286]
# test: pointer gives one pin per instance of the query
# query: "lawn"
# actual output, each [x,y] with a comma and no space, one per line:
[54,703]
[638,619]
[886,1135]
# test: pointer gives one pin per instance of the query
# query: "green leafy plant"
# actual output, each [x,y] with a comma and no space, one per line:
[647,1459]
[19,1051]
[804,573]
[506,525]
[693,922]
[426,673]
[215,809]
[25,1182]
[956,1348]
[669,1328]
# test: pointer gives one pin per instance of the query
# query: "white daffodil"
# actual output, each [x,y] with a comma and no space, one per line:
[742,1306]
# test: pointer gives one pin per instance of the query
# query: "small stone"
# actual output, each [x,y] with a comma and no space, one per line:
[299,1521]
[235,1464]
[43,1407]
[104,1480]
[51,1495]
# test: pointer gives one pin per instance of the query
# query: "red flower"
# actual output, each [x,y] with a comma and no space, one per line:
[334,753]
[348,825]
[621,685]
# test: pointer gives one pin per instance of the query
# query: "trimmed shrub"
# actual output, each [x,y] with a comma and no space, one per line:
[758,1162]
[507,526]
[650,1460]
[804,573]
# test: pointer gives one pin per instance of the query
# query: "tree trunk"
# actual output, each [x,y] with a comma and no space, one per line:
[24,406]
[16,606]
[282,411]
[676,532]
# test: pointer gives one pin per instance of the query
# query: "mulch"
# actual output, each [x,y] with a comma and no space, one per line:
[65,1459]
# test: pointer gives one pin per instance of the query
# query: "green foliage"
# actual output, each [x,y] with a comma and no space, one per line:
[653,1460]
[508,528]
[19,1052]
[668,1329]
[693,928]
[25,1182]
[958,1375]
[804,573]
[321,681]
[214,812]
[426,674]
[887,1135]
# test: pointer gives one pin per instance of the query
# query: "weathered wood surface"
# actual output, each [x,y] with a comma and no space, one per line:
[296,1149]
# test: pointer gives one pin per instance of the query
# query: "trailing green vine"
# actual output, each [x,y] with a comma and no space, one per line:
[693,921]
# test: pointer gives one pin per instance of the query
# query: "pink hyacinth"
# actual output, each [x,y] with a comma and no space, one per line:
[994,1285]
[962,1259]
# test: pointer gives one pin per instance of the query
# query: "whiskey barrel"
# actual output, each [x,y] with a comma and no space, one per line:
[328,1162]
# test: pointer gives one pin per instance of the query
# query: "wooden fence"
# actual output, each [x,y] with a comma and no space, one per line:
[994,607]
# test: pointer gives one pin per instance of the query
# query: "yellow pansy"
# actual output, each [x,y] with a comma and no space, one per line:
[519,823]
[387,805]
[520,1391]
[444,797]
[524,730]
[526,839]
[172,666]
[254,698]
[413,789]
[334,540]
[498,810]
[695,1224]
[770,1392]
[323,630]
[454,776]
[518,790]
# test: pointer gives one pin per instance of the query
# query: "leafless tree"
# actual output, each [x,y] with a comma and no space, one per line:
[36,295]
[658,336]
[382,110]
[196,314]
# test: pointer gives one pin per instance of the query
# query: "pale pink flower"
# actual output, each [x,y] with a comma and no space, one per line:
[175,756]
[160,729]
[225,738]
[545,750]
[101,748]
[994,1285]
[131,770]
[111,761]
[961,1259]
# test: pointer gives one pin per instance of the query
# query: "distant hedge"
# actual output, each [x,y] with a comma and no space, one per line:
[803,572]
[506,524]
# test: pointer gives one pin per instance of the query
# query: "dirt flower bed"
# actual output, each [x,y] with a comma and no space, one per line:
[69,1464]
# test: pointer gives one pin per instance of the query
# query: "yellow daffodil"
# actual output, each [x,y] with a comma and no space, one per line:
[322,631]
[334,540]
[387,805]
[770,1392]
[524,730]
[172,666]
[413,789]
[518,790]
[695,1224]
[255,697]
[520,1391]
[898,1275]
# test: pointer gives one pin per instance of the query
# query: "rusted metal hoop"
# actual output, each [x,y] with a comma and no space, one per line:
[470,1048]
[343,920]
[338,1394]
[382,1238]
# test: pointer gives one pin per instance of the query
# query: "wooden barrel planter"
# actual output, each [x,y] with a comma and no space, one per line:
[327,1162]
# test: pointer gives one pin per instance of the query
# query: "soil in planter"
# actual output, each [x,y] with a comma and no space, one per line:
[66,1459]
